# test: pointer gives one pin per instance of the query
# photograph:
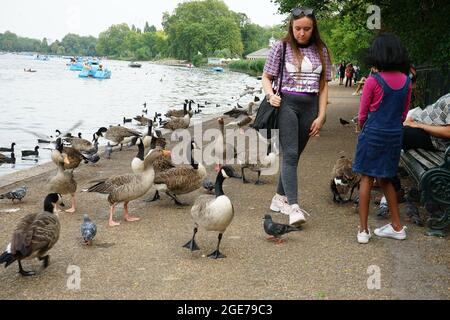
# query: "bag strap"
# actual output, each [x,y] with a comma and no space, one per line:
[281,68]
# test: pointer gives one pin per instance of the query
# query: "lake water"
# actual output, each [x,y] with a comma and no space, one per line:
[56,98]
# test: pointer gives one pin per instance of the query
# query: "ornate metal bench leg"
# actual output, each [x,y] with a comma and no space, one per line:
[437,225]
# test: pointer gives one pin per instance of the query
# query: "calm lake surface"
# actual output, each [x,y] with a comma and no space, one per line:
[56,98]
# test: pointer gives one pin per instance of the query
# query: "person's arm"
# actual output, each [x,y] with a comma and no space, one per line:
[274,100]
[436,131]
[321,118]
[366,99]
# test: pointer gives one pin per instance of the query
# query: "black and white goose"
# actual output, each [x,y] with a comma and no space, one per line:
[213,212]
[34,236]
[27,153]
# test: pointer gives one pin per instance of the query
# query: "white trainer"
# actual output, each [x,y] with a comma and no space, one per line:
[388,231]
[364,237]
[297,215]
[280,204]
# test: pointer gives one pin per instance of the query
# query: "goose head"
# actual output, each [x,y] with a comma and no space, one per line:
[227,172]
[101,130]
[51,200]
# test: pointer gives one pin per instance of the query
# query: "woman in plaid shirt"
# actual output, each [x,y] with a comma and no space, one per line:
[302,101]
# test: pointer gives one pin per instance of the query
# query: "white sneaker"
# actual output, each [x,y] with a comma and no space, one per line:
[364,237]
[297,215]
[280,204]
[388,231]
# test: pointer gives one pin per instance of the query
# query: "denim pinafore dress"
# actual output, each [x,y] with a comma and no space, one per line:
[380,140]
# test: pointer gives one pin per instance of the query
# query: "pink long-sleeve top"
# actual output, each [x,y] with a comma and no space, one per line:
[373,94]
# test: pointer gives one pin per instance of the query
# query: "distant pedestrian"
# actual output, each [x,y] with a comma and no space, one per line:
[349,75]
[341,73]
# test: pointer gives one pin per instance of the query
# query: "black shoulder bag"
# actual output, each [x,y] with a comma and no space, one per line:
[267,116]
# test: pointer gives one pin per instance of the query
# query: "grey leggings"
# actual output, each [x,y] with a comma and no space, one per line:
[297,113]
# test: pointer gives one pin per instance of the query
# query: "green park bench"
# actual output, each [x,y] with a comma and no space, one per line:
[431,173]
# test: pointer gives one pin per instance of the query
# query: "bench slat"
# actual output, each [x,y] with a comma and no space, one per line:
[421,159]
[414,168]
[435,157]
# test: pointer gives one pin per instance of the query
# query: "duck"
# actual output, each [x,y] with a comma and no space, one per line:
[262,162]
[213,212]
[34,236]
[63,182]
[180,179]
[117,134]
[35,152]
[343,180]
[125,120]
[127,187]
[11,149]
[5,159]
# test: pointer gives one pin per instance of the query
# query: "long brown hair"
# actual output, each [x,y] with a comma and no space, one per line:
[315,38]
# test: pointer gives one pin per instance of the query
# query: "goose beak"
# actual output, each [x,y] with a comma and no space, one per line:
[167,153]
[66,159]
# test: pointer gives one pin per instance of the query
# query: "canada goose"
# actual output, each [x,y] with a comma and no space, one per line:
[344,180]
[5,159]
[244,119]
[213,212]
[63,182]
[224,152]
[35,152]
[178,123]
[151,135]
[143,121]
[16,194]
[59,134]
[88,230]
[269,160]
[187,106]
[117,134]
[137,164]
[34,236]
[74,157]
[84,146]
[127,187]
[8,149]
[180,179]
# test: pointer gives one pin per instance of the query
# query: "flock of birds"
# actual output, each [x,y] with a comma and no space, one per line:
[36,233]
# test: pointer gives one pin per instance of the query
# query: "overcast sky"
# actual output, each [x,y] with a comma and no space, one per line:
[55,18]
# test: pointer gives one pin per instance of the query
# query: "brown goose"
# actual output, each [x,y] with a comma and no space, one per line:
[74,157]
[224,152]
[143,121]
[180,179]
[127,187]
[268,161]
[84,146]
[180,113]
[213,212]
[34,236]
[63,182]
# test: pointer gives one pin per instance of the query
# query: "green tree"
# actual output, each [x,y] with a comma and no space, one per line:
[110,42]
[202,26]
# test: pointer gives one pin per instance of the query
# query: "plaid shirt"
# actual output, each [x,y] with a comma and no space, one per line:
[294,81]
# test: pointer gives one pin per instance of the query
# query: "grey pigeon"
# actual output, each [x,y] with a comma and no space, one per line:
[88,230]
[108,151]
[276,230]
[16,194]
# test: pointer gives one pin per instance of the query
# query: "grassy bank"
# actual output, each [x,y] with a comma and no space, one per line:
[252,67]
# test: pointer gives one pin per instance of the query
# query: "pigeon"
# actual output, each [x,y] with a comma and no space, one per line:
[276,230]
[16,194]
[108,151]
[88,230]
[343,122]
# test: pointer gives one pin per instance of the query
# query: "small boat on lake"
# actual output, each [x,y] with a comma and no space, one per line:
[133,64]
[217,69]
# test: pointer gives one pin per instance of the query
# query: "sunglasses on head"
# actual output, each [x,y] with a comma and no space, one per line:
[297,12]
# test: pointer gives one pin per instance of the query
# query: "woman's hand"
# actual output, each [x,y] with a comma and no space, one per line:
[275,101]
[411,123]
[316,126]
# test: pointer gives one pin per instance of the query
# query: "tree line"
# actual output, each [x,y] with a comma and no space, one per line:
[195,30]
